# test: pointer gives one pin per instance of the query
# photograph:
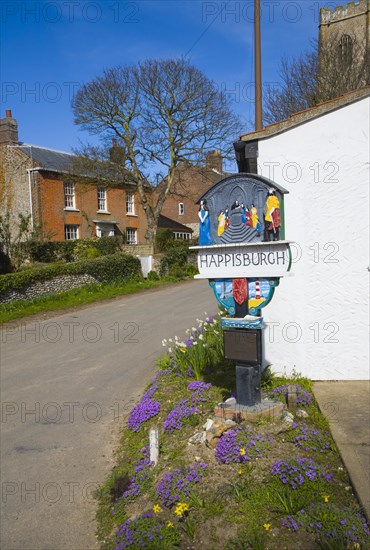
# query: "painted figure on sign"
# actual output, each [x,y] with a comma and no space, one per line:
[221,223]
[272,217]
[227,219]
[255,221]
[248,218]
[244,214]
[205,237]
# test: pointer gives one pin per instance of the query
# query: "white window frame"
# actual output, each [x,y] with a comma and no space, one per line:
[71,232]
[181,208]
[130,203]
[131,235]
[102,199]
[69,196]
[182,235]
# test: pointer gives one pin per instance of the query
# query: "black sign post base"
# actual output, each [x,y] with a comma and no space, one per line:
[248,384]
[245,347]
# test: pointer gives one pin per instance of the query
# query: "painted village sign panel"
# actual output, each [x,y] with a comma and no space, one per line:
[241,249]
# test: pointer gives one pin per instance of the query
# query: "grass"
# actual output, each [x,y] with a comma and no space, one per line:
[236,505]
[75,298]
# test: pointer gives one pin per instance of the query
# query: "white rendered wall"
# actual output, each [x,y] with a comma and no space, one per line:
[318,318]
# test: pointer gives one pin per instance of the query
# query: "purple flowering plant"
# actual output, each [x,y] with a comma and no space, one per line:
[299,471]
[140,472]
[179,414]
[188,407]
[334,526]
[241,445]
[309,437]
[177,485]
[144,410]
[146,531]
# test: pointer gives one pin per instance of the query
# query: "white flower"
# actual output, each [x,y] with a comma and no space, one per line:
[169,350]
[176,338]
[200,336]
[170,340]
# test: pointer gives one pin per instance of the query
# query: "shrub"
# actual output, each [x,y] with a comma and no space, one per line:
[117,267]
[153,276]
[175,258]
[52,251]
[164,239]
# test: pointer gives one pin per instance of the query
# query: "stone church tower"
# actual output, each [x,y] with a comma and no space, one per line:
[344,41]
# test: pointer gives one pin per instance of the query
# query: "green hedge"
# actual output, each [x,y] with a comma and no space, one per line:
[116,267]
[53,251]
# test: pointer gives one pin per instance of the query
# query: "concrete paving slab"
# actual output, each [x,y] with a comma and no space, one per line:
[346,405]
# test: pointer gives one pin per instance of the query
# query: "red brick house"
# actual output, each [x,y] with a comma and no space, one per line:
[191,182]
[44,183]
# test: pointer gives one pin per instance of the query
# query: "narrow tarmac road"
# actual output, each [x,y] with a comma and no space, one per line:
[66,385]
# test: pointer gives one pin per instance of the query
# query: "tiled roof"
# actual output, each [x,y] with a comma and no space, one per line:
[68,163]
[167,223]
[308,114]
[49,159]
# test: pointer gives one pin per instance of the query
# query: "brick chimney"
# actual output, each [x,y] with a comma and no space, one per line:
[214,160]
[8,129]
[117,153]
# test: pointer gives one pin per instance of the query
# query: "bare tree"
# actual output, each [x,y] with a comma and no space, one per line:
[317,75]
[298,90]
[162,112]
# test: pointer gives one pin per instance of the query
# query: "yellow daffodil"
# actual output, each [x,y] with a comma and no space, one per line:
[240,472]
[326,498]
[181,508]
[170,524]
[183,350]
[242,451]
[267,526]
[157,508]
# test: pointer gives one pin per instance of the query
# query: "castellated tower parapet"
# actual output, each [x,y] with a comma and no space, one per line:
[340,13]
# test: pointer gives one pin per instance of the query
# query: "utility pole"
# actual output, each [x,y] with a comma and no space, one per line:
[257,65]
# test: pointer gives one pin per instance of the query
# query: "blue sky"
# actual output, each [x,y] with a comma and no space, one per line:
[50,48]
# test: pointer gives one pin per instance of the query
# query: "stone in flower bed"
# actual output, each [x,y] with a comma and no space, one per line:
[304,398]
